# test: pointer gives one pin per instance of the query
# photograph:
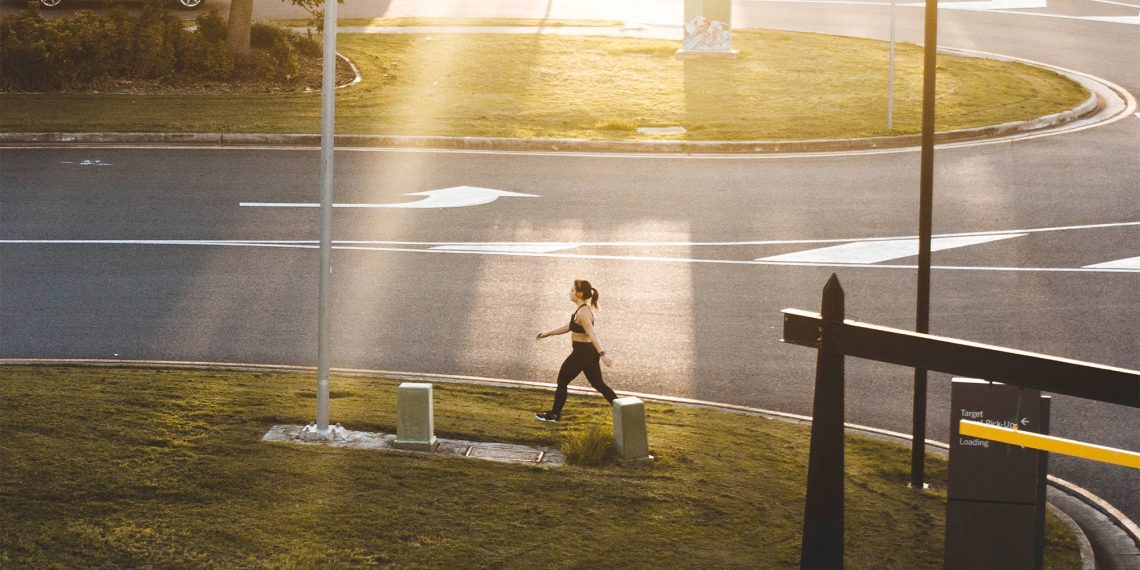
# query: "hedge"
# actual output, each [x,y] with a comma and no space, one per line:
[89,50]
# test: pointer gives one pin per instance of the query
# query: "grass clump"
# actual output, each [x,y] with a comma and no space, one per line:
[612,124]
[140,468]
[592,446]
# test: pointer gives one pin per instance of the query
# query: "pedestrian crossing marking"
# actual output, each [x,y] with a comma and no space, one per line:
[866,252]
[1126,263]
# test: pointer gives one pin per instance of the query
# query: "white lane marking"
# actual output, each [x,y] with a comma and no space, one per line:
[867,252]
[518,247]
[1127,263]
[457,197]
[1134,20]
[1125,4]
[581,244]
[958,267]
[700,243]
[286,244]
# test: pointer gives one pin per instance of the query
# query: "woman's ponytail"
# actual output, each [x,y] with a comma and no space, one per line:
[594,297]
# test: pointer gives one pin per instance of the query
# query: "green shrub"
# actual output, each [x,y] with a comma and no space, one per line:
[156,34]
[288,65]
[258,66]
[212,27]
[93,48]
[26,55]
[87,50]
[205,58]
[309,46]
[263,35]
[592,446]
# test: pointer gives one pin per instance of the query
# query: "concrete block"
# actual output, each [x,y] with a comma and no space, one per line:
[415,422]
[631,439]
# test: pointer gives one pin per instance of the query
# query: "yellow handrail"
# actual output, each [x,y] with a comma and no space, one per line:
[1050,443]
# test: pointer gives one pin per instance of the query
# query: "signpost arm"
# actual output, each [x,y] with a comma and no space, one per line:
[822,545]
[925,215]
[971,359]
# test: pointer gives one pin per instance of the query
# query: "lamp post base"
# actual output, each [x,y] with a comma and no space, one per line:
[332,434]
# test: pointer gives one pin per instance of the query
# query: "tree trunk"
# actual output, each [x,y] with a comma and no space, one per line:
[237,36]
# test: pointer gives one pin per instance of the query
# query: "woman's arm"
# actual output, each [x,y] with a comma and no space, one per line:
[554,332]
[586,324]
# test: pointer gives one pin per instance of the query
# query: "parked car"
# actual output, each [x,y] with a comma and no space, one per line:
[187,4]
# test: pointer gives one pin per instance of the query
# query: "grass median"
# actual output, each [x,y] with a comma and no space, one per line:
[131,467]
[784,86]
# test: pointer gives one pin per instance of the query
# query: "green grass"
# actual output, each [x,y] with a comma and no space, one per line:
[458,22]
[784,86]
[128,467]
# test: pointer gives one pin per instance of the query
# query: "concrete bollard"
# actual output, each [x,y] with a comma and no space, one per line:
[631,439]
[415,423]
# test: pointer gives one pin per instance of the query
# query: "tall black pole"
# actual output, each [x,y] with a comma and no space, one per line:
[822,545]
[925,223]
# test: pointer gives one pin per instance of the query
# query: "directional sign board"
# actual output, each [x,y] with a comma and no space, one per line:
[982,470]
[993,490]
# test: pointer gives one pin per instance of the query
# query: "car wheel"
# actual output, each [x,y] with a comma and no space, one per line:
[188,4]
[50,3]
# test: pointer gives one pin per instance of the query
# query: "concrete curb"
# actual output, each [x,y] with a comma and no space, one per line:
[1075,493]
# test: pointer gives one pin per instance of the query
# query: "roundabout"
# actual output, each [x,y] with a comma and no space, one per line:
[153,257]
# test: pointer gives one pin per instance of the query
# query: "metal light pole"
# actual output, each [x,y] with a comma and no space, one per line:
[891,75]
[925,215]
[328,107]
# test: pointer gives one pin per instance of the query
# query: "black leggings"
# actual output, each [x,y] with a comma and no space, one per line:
[584,358]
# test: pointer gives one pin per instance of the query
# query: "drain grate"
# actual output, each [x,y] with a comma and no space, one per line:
[500,454]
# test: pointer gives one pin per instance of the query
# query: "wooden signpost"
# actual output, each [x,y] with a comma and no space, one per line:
[835,337]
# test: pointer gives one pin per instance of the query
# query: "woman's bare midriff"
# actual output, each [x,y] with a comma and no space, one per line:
[579,337]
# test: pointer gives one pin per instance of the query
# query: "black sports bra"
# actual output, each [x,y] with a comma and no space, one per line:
[574,326]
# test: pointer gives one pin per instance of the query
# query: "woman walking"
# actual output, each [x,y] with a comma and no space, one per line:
[587,350]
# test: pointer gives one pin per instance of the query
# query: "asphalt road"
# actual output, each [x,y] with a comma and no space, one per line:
[700,325]
[704,323]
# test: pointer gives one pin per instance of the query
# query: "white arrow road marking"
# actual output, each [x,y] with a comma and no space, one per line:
[505,248]
[1127,263]
[867,252]
[458,197]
